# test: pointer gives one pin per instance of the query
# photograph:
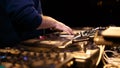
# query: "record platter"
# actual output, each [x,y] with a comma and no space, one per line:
[59,41]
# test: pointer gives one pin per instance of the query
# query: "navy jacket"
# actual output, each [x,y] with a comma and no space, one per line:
[19,20]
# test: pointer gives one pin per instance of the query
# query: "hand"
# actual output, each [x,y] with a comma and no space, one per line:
[63,27]
[49,22]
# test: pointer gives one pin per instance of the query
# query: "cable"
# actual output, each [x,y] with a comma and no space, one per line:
[102,47]
[112,61]
[104,62]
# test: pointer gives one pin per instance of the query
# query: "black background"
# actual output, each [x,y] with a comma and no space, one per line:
[77,13]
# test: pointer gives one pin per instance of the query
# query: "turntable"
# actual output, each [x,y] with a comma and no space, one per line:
[55,50]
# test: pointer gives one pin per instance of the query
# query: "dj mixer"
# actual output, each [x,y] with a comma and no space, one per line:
[54,50]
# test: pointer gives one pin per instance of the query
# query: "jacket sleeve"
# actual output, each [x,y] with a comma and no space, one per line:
[23,14]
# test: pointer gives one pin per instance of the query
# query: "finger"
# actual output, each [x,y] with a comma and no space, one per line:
[69,30]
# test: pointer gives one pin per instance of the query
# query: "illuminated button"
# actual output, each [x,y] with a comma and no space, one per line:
[42,37]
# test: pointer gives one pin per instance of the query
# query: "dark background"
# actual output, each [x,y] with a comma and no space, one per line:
[77,13]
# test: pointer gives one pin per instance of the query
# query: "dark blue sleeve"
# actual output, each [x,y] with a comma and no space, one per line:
[23,13]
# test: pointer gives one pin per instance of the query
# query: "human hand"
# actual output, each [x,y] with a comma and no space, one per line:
[49,22]
[63,27]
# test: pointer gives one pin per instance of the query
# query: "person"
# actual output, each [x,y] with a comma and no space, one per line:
[24,19]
